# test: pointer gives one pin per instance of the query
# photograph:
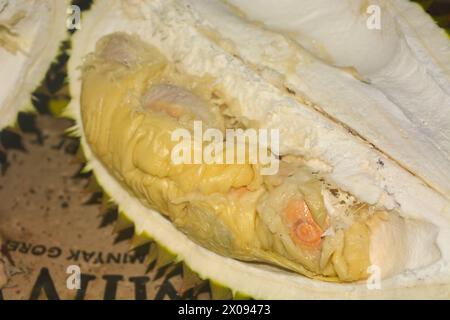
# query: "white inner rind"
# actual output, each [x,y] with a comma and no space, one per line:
[39,34]
[170,27]
[406,62]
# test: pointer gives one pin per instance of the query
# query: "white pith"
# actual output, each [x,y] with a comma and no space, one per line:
[39,34]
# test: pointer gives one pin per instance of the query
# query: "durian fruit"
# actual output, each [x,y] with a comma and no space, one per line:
[361,193]
[30,34]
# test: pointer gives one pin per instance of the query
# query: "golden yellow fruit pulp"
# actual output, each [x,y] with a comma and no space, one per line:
[133,99]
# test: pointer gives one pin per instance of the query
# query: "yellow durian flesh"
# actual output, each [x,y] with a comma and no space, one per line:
[136,148]
[128,104]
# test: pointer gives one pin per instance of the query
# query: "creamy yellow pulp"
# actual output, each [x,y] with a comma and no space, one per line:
[228,208]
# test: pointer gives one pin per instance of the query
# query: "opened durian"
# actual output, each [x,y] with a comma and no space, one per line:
[30,34]
[361,191]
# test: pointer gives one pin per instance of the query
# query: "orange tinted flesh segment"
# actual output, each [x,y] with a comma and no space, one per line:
[304,230]
[307,234]
[296,210]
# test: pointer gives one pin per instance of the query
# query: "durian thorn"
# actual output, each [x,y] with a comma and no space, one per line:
[153,254]
[190,279]
[164,257]
[86,169]
[121,223]
[138,240]
[219,292]
[14,126]
[240,296]
[79,156]
[171,268]
[68,113]
[29,108]
[57,106]
[110,199]
[107,202]
[93,185]
[73,132]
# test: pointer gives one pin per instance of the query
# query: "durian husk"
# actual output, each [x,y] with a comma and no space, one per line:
[32,71]
[242,279]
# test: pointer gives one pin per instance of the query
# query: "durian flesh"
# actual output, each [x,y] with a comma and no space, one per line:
[30,35]
[126,140]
